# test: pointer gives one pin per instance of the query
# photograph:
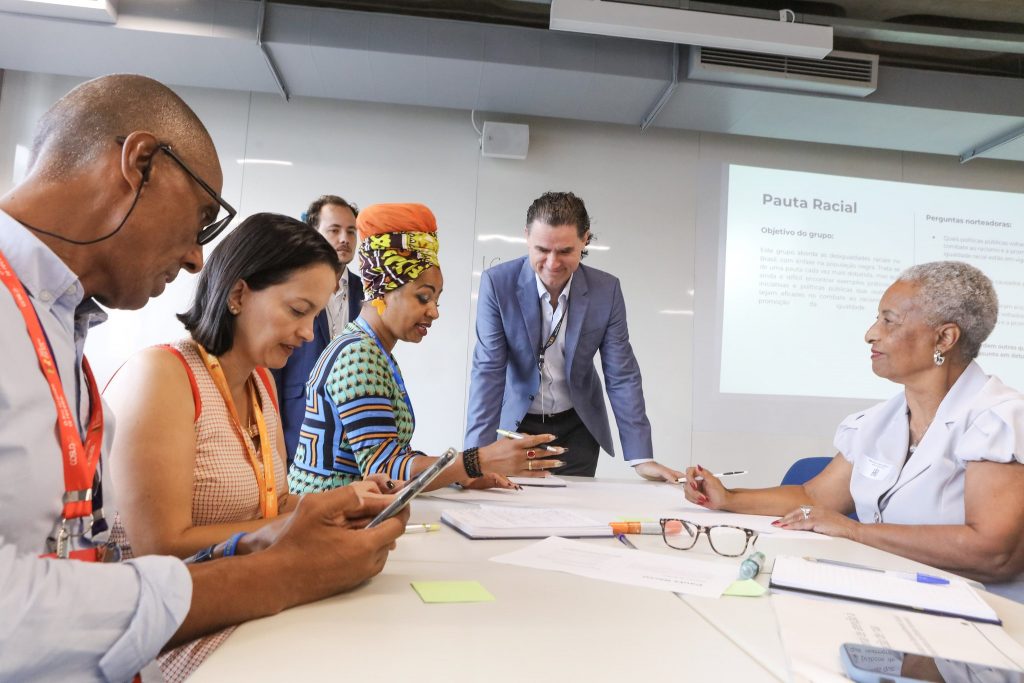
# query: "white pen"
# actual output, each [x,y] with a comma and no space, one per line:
[516,435]
[734,473]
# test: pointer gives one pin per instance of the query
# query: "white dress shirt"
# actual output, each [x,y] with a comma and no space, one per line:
[553,394]
[63,619]
[337,307]
[979,419]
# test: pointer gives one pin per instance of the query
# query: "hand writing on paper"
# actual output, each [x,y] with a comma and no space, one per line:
[821,520]
[704,488]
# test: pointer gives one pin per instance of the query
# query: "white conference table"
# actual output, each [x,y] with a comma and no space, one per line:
[542,626]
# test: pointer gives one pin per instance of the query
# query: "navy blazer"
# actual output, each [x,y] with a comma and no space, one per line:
[291,379]
[505,378]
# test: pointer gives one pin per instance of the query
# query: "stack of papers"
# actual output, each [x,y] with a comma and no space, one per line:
[497,521]
[955,599]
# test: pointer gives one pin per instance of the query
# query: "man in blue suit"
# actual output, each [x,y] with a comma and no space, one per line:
[540,321]
[335,219]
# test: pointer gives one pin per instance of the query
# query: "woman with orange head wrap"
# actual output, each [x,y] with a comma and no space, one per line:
[359,417]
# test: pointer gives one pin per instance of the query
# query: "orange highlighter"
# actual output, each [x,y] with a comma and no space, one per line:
[635,528]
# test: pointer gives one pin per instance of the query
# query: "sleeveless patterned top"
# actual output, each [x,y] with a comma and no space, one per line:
[224,487]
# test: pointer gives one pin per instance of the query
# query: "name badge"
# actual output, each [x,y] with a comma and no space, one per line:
[875,469]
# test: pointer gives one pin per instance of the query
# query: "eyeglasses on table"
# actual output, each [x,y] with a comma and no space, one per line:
[725,539]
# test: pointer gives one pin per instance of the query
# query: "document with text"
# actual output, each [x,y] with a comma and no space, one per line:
[632,567]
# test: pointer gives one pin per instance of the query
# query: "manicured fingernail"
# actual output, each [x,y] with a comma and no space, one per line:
[702,500]
[699,468]
[389,484]
[693,485]
[776,522]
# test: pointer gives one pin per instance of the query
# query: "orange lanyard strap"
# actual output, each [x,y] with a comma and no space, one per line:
[264,474]
[80,460]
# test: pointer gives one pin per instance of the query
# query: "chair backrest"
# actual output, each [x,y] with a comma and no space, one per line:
[803,470]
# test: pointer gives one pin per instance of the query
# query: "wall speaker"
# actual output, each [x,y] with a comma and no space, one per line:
[505,140]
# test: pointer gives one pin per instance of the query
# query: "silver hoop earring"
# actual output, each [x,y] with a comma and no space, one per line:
[938,357]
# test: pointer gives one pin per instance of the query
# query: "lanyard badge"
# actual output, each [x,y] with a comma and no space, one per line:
[80,459]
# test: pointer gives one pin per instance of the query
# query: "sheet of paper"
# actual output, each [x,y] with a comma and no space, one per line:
[813,630]
[759,523]
[632,567]
[452,591]
[549,481]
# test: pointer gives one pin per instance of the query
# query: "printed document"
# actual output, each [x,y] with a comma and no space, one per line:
[622,565]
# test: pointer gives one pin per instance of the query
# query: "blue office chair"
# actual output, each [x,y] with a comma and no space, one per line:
[806,469]
[803,470]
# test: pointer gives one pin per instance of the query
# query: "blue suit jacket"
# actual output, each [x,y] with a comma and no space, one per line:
[291,379]
[505,378]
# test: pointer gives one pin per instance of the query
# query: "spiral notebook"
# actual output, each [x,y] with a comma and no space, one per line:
[955,599]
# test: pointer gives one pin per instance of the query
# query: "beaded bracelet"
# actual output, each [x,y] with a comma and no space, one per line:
[471,461]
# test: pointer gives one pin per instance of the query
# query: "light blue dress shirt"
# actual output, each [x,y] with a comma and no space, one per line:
[553,394]
[63,619]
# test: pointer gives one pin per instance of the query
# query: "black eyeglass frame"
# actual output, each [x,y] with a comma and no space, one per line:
[209,232]
[751,535]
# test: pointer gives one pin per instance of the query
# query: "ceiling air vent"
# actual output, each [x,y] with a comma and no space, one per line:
[840,73]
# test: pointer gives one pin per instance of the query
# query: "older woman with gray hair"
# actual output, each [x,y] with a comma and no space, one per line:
[934,474]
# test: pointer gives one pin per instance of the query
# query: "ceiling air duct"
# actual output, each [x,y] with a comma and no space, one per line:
[686,27]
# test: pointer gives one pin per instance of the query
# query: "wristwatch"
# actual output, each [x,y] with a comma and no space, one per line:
[203,555]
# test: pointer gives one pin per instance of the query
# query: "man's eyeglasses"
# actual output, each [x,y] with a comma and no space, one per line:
[208,233]
[727,540]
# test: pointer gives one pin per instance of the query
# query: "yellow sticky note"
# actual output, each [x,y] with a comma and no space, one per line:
[452,591]
[748,588]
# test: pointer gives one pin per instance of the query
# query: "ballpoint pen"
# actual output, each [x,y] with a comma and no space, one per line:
[516,435]
[421,528]
[734,473]
[910,576]
[625,541]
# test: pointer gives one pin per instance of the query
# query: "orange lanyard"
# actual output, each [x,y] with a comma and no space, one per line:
[264,474]
[80,460]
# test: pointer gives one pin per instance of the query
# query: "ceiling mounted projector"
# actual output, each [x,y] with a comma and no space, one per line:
[608,18]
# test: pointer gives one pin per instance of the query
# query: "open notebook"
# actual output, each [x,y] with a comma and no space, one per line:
[956,599]
[497,521]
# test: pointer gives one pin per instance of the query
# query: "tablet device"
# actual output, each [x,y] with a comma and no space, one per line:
[415,485]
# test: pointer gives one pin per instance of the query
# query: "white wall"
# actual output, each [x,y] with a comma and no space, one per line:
[642,190]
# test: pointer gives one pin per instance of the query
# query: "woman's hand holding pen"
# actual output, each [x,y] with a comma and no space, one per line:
[705,489]
[519,457]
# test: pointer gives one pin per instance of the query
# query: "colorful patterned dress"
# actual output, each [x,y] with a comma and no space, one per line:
[224,487]
[357,420]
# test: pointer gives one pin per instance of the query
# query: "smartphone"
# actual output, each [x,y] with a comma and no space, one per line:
[868,664]
[415,485]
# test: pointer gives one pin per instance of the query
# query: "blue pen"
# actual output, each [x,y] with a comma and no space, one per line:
[625,541]
[910,576]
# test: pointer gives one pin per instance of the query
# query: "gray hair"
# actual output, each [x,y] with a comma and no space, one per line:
[955,292]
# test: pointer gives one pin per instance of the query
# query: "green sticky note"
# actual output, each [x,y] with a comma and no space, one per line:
[748,588]
[452,591]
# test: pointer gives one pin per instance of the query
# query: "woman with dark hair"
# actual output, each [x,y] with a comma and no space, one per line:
[199,456]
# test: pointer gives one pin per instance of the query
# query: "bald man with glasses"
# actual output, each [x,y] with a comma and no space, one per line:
[122,192]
